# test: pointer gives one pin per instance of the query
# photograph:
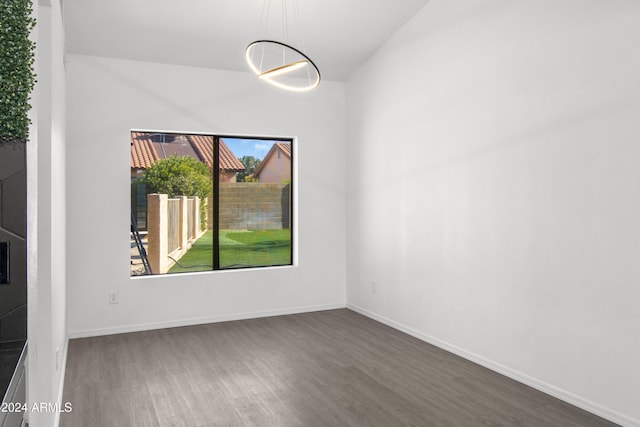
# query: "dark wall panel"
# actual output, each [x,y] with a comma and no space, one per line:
[13,283]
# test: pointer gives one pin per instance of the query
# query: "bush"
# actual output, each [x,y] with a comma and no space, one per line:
[178,176]
[16,69]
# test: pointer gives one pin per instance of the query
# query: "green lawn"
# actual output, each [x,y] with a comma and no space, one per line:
[254,248]
[199,257]
[238,248]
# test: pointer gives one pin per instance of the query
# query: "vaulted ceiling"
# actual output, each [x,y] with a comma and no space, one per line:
[339,35]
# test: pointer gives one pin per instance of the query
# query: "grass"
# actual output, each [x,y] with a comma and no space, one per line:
[199,257]
[238,248]
[254,248]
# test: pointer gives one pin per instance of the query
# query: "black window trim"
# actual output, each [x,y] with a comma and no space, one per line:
[216,192]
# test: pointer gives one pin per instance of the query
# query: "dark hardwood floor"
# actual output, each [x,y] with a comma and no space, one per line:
[331,368]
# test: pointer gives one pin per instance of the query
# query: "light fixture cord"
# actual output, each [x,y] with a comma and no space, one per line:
[264,26]
[264,17]
[296,12]
[285,24]
[301,46]
[285,30]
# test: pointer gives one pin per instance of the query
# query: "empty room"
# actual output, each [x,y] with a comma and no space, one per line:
[320,213]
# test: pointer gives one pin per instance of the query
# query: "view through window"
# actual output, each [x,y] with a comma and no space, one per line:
[209,202]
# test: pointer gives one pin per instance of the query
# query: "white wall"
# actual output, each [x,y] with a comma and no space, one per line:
[109,97]
[494,191]
[47,329]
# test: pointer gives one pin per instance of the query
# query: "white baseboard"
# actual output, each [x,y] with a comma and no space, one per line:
[201,320]
[542,386]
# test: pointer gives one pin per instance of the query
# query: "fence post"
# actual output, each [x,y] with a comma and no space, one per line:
[157,237]
[196,217]
[184,222]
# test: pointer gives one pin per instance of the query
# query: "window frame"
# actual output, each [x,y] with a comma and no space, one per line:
[215,172]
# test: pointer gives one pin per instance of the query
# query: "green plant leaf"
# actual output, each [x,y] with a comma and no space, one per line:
[17,77]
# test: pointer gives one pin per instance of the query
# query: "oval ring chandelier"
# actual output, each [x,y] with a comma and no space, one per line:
[279,63]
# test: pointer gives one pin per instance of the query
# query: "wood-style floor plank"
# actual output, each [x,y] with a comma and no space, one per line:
[331,368]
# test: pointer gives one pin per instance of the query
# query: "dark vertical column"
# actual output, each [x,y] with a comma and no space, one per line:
[215,172]
[291,201]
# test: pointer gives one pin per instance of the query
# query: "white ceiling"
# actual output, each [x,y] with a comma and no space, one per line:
[339,35]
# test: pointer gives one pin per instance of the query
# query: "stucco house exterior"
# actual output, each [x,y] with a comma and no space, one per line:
[276,165]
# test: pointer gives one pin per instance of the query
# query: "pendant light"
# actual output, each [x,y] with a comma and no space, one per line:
[279,63]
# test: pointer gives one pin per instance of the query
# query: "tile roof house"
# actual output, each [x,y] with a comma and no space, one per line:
[149,147]
[276,165]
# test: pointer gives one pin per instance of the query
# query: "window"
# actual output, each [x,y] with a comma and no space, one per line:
[210,202]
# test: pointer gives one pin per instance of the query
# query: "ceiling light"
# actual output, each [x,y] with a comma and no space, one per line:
[280,63]
[283,69]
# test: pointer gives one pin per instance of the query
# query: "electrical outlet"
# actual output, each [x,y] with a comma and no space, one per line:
[114,298]
[57,358]
[374,286]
